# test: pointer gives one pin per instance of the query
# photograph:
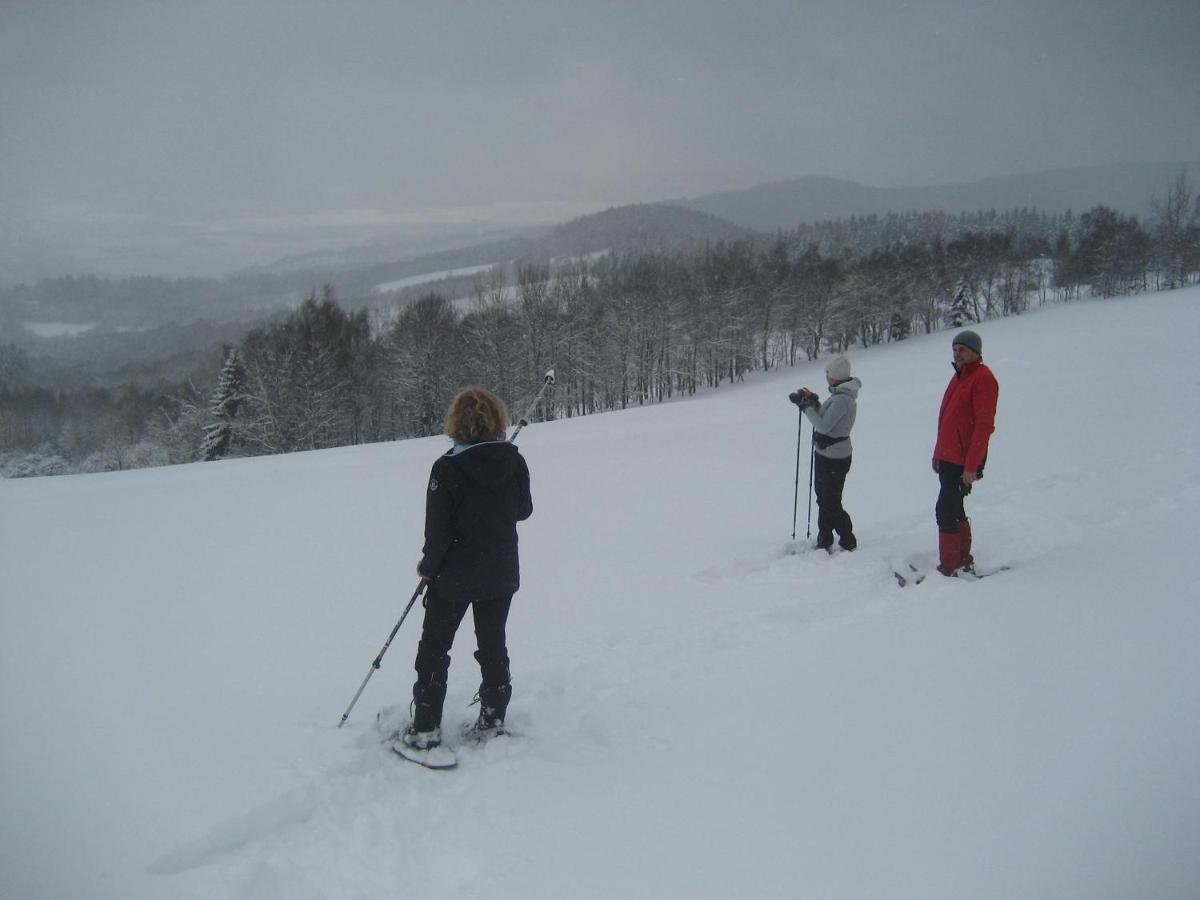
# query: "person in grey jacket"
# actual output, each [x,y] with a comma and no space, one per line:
[832,421]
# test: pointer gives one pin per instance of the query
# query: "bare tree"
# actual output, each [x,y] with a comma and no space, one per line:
[1176,221]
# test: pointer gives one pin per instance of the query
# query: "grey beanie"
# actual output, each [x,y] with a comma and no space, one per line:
[838,368]
[969,339]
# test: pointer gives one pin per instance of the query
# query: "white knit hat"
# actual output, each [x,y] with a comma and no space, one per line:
[838,369]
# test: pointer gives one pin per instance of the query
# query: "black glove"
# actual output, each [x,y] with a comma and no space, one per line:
[804,398]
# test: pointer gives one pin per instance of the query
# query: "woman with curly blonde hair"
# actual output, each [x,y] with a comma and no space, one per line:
[478,491]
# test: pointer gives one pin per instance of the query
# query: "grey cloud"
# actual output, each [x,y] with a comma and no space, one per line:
[193,111]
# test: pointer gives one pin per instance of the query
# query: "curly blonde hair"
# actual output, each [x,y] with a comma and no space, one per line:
[475,415]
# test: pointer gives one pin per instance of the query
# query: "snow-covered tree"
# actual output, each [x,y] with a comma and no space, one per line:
[220,435]
[1177,232]
[959,313]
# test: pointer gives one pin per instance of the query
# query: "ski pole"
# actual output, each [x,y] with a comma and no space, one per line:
[796,497]
[379,658]
[547,380]
[812,462]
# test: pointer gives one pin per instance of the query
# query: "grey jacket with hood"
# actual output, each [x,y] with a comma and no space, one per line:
[835,417]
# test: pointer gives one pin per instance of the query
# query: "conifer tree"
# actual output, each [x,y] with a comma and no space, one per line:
[959,312]
[227,399]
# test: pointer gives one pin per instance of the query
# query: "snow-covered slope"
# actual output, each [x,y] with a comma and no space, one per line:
[700,713]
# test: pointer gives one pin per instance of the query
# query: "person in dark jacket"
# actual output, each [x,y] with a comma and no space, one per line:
[966,421]
[832,421]
[478,491]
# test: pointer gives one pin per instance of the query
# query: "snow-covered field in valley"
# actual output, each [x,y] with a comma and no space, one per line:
[698,711]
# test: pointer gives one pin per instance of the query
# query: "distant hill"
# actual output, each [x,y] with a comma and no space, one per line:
[642,226]
[786,204]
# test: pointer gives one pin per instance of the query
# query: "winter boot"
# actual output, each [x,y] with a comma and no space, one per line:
[848,541]
[825,541]
[429,694]
[493,704]
[964,530]
[949,552]
[420,740]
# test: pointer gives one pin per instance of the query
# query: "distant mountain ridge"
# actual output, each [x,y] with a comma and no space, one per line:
[787,204]
[642,226]
[621,229]
[756,212]
[784,205]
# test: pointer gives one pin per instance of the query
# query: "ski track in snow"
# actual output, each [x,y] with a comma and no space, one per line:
[340,806]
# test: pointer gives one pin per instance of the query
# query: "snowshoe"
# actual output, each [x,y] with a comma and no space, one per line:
[425,748]
[483,730]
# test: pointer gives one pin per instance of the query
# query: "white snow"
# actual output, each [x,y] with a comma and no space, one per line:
[699,712]
[413,280]
[58,329]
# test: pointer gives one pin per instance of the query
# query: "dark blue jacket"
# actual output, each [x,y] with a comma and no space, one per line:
[477,493]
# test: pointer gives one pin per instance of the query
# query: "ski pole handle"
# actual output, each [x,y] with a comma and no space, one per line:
[547,380]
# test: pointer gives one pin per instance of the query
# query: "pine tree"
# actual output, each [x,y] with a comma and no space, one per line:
[219,436]
[959,312]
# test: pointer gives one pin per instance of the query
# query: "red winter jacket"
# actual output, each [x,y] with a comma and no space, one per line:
[967,417]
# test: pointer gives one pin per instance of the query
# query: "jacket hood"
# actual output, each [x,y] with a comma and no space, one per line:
[488,462]
[851,387]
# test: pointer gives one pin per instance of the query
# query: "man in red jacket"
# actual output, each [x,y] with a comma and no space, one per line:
[965,422]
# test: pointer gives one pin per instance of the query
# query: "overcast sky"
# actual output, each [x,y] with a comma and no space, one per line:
[212,110]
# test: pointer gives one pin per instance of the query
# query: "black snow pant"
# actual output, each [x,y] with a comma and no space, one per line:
[950,511]
[442,618]
[829,479]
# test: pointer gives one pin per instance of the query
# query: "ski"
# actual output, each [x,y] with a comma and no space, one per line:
[976,574]
[916,576]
